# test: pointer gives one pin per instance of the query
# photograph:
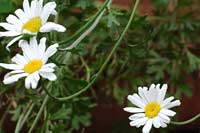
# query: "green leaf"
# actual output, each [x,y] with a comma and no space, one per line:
[159,3]
[62,113]
[6,6]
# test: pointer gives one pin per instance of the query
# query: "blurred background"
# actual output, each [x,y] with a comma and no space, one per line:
[161,46]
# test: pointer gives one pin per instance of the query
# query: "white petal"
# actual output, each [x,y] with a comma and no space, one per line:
[28,82]
[8,26]
[163,124]
[146,93]
[49,76]
[136,100]
[166,101]
[54,12]
[49,65]
[47,70]
[34,83]
[21,15]
[34,47]
[14,20]
[19,59]
[13,72]
[142,123]
[27,51]
[14,78]
[152,93]
[9,33]
[139,122]
[39,7]
[36,76]
[148,126]
[42,47]
[136,116]
[49,52]
[34,7]
[141,92]
[164,118]
[50,26]
[156,122]
[12,66]
[26,8]
[12,42]
[162,93]
[168,112]
[133,110]
[47,10]
[173,104]
[158,87]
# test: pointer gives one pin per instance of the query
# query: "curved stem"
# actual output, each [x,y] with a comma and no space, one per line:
[22,116]
[84,27]
[39,114]
[87,69]
[106,61]
[26,116]
[87,31]
[187,121]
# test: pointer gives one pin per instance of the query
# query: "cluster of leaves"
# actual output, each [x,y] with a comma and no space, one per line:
[157,49]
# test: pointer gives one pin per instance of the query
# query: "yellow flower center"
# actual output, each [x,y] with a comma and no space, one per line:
[152,109]
[33,25]
[33,66]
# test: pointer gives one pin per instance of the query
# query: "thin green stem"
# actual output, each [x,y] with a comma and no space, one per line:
[18,126]
[38,114]
[105,62]
[26,116]
[87,69]
[87,31]
[84,27]
[187,121]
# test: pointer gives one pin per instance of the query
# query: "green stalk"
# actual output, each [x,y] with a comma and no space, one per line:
[26,117]
[106,61]
[21,118]
[87,69]
[187,121]
[38,114]
[84,27]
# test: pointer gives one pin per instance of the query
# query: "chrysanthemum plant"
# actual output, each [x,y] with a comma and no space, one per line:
[46,94]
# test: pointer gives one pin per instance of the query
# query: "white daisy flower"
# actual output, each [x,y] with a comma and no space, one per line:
[31,20]
[32,64]
[152,107]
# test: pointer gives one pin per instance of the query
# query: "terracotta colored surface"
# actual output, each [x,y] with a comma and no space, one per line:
[191,106]
[104,116]
[144,6]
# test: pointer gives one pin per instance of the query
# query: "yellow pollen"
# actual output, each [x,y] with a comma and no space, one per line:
[33,66]
[152,109]
[33,25]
